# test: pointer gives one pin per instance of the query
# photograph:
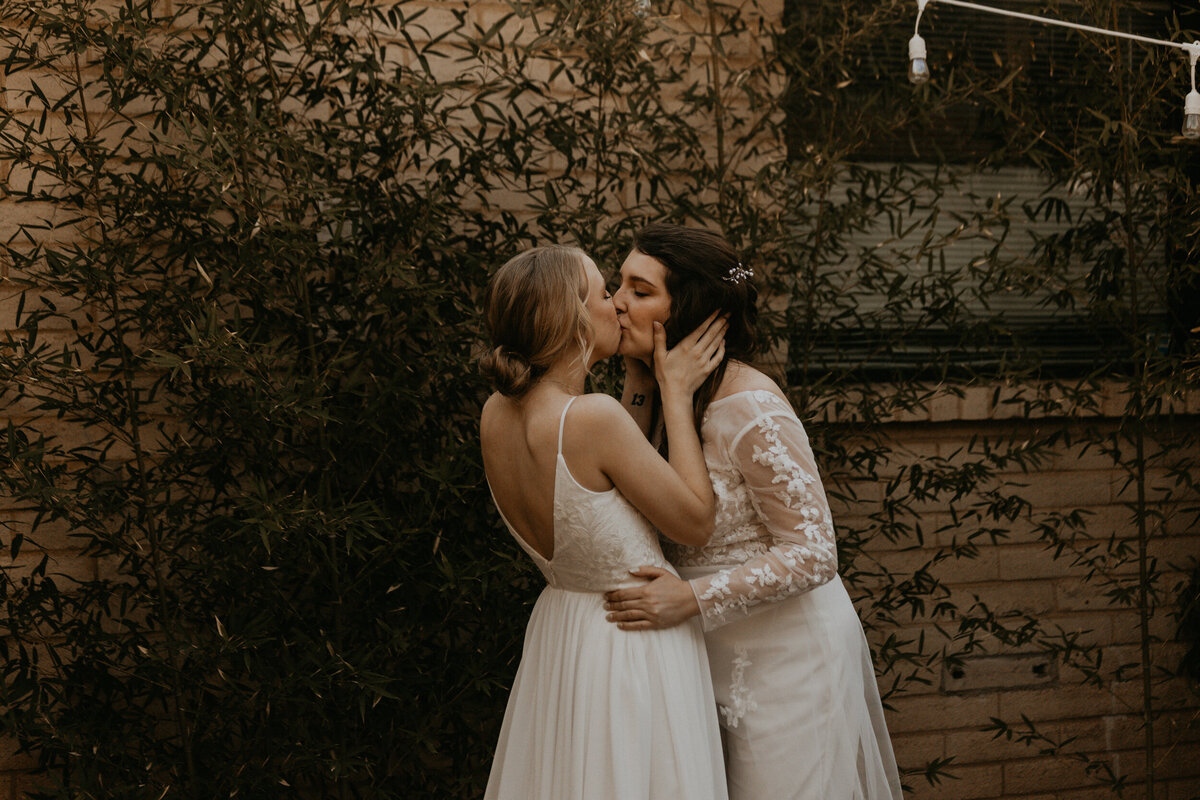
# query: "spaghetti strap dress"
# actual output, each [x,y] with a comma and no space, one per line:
[597,713]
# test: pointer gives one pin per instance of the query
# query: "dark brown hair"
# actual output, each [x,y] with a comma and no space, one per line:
[704,274]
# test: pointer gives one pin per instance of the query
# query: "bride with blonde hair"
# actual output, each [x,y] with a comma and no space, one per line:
[595,712]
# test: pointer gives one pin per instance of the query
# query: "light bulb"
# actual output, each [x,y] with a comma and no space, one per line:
[1191,115]
[918,67]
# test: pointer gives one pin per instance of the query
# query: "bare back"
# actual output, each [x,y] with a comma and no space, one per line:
[520,457]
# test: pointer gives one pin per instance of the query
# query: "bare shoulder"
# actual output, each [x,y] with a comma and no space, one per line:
[603,423]
[599,433]
[493,401]
[598,410]
[495,408]
[741,377]
[490,406]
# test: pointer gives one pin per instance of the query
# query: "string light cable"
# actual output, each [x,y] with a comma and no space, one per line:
[918,63]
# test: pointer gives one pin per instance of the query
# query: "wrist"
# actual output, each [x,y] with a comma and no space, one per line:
[693,608]
[674,399]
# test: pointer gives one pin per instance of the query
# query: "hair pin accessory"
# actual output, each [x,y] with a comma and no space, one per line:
[738,274]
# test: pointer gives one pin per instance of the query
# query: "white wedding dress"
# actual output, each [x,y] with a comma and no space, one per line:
[597,713]
[799,705]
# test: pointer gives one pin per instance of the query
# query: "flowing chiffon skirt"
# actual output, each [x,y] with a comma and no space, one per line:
[597,713]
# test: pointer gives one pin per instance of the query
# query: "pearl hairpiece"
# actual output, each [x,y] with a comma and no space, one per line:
[738,274]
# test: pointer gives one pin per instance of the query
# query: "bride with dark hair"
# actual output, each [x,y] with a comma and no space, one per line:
[799,706]
[595,713]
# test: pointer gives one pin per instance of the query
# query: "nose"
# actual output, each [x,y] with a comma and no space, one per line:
[619,301]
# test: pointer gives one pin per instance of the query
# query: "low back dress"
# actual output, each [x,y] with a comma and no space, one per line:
[597,713]
[799,705]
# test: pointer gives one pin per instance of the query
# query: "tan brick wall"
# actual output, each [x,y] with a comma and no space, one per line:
[947,718]
[944,720]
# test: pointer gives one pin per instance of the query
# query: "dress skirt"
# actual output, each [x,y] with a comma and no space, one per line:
[597,713]
[799,705]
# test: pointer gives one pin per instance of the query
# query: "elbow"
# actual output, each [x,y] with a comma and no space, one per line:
[693,530]
[701,529]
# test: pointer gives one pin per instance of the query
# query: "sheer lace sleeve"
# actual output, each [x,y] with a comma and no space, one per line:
[775,459]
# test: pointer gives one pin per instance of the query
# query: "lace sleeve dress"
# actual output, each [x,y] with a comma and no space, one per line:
[796,691]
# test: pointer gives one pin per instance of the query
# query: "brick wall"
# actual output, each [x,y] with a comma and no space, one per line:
[1022,573]
[945,719]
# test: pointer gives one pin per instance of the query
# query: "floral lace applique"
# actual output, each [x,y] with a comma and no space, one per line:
[741,699]
[737,534]
[787,546]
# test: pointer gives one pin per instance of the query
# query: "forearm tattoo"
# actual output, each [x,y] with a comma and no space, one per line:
[638,400]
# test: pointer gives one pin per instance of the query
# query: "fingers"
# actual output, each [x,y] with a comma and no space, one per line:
[715,332]
[628,604]
[647,571]
[636,604]
[710,349]
[713,326]
[663,602]
[642,625]
[712,360]
[701,329]
[711,344]
[717,356]
[705,328]
[660,343]
[698,346]
[622,596]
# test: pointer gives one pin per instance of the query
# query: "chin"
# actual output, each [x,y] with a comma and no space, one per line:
[602,353]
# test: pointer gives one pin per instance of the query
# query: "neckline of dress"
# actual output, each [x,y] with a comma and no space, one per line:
[744,391]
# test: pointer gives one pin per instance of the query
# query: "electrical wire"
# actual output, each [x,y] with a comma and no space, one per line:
[1189,47]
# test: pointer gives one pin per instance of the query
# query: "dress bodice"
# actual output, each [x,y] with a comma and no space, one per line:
[598,536]
[773,530]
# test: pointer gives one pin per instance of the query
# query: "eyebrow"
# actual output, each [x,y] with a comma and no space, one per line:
[640,279]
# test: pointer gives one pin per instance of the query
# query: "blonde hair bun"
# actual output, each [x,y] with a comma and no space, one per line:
[510,373]
[535,306]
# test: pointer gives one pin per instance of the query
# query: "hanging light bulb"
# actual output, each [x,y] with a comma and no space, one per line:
[1191,103]
[1191,115]
[918,67]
